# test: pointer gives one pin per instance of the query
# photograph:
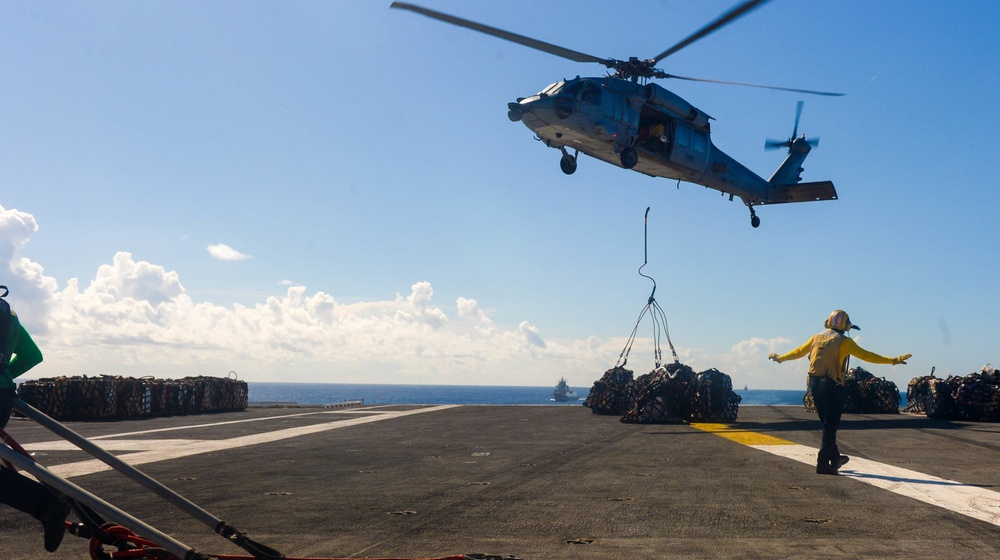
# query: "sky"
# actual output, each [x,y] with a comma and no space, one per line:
[331,191]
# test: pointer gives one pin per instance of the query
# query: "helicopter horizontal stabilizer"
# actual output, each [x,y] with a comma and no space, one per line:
[803,192]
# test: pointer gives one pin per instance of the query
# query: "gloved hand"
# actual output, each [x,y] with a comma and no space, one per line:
[902,359]
[774,357]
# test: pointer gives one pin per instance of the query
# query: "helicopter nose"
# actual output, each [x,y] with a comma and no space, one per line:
[563,108]
[514,112]
[542,109]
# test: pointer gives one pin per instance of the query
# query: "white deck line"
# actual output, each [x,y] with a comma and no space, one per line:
[176,449]
[972,501]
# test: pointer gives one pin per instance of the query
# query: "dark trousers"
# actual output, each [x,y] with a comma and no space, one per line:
[828,396]
[7,397]
[20,492]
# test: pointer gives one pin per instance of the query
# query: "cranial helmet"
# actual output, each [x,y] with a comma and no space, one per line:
[839,321]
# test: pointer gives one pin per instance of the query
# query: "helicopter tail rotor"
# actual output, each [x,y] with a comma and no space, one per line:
[770,144]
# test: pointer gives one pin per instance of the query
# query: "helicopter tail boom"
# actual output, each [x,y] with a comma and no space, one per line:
[802,192]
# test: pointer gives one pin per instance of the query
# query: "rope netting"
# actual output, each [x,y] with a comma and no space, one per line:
[653,309]
[671,393]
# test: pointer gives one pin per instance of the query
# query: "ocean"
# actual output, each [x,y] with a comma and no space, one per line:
[332,393]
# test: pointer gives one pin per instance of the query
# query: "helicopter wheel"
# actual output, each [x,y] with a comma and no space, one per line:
[629,158]
[568,164]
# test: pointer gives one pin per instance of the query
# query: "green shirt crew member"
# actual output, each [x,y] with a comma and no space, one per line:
[828,354]
[18,354]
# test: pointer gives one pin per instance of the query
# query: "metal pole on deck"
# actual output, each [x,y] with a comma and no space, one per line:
[63,486]
[221,527]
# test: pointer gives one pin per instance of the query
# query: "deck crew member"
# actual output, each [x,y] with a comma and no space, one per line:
[828,354]
[18,354]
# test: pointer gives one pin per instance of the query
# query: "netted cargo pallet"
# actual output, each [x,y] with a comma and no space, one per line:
[121,398]
[609,394]
[712,398]
[863,394]
[974,397]
[135,398]
[855,396]
[918,391]
[661,399]
[676,394]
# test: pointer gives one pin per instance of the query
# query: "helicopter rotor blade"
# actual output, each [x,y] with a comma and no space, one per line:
[809,91]
[724,19]
[771,144]
[507,35]
[798,113]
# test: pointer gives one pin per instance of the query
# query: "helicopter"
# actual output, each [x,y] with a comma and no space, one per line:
[626,120]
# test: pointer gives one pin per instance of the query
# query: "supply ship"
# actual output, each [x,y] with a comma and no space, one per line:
[563,393]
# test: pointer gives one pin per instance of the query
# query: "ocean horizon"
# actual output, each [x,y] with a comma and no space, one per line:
[379,394]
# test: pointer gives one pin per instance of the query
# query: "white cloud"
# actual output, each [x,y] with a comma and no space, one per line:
[469,309]
[135,318]
[531,334]
[16,228]
[224,252]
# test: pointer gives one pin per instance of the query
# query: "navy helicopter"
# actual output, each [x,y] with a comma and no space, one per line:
[625,120]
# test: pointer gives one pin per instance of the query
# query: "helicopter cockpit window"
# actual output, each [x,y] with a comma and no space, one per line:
[551,89]
[570,88]
[592,94]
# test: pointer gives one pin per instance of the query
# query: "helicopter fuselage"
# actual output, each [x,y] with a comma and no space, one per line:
[625,121]
[647,128]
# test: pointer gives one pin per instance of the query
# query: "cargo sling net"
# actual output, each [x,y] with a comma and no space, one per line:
[655,312]
[673,393]
[616,392]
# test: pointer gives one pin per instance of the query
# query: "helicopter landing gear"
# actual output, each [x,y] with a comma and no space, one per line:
[629,158]
[568,163]
[754,220]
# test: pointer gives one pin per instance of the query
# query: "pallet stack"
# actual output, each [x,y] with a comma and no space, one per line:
[974,397]
[109,397]
[864,394]
[667,395]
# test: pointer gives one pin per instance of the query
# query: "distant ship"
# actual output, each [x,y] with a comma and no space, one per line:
[563,393]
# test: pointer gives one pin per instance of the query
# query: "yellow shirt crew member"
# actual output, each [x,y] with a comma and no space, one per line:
[828,353]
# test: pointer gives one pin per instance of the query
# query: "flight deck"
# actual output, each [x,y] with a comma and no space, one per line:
[539,482]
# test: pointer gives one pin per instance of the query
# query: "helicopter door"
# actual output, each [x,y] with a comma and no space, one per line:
[592,100]
[690,148]
[620,112]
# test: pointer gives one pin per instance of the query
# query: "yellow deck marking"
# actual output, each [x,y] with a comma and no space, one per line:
[739,435]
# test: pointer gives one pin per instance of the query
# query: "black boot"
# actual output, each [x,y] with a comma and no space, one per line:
[823,465]
[825,468]
[53,518]
[37,501]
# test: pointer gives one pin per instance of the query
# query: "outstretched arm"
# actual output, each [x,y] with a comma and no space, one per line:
[794,354]
[871,357]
